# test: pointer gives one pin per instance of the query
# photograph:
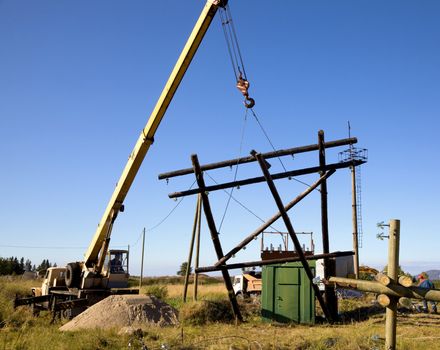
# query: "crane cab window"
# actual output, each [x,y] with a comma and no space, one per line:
[118,262]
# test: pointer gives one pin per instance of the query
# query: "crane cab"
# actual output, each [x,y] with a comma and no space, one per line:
[116,268]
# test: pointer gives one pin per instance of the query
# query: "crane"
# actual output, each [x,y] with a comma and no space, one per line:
[92,265]
[82,281]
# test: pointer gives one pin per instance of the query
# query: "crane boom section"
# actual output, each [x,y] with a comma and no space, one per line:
[146,137]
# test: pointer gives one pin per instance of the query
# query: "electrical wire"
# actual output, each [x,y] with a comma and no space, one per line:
[242,205]
[273,148]
[115,246]
[169,214]
[236,169]
[37,247]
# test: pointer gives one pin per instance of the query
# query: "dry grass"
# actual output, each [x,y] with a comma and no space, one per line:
[20,330]
[203,291]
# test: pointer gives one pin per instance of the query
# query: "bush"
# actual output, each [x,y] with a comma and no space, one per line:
[160,292]
[206,311]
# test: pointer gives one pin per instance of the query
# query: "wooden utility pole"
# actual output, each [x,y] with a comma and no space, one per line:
[292,234]
[191,248]
[142,258]
[214,235]
[391,290]
[330,295]
[393,267]
[196,260]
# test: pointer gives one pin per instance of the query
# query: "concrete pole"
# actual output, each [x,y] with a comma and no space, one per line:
[393,266]
[142,259]
[355,221]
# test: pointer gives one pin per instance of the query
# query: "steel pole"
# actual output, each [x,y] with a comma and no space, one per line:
[355,221]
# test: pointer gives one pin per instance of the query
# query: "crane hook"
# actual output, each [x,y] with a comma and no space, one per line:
[249,102]
[243,87]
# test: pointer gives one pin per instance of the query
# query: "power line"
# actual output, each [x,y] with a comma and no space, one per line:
[169,214]
[44,247]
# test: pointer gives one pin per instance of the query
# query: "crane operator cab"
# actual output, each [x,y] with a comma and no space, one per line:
[116,268]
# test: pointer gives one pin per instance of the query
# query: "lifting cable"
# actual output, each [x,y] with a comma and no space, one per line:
[240,72]
[235,55]
[243,84]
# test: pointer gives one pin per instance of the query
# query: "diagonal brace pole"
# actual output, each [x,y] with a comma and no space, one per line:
[291,231]
[214,234]
[274,218]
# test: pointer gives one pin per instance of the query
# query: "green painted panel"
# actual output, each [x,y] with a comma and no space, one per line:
[287,275]
[287,295]
[287,307]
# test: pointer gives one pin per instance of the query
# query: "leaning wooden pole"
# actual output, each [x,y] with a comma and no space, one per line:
[191,249]
[393,267]
[330,295]
[292,234]
[196,260]
[214,235]
[142,259]
[274,218]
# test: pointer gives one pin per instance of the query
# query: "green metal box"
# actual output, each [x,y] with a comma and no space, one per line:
[287,295]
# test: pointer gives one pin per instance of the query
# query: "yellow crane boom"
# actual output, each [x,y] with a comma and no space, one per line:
[94,257]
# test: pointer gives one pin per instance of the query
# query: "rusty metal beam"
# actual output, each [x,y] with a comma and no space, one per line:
[305,171]
[270,262]
[268,155]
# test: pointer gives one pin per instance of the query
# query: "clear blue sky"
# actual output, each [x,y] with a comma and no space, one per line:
[78,81]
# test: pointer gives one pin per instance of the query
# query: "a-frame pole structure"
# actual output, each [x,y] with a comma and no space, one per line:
[292,233]
[214,234]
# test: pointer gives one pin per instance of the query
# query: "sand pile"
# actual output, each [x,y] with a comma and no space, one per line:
[118,311]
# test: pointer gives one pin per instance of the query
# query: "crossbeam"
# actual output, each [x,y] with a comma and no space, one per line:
[393,289]
[276,176]
[271,261]
[267,155]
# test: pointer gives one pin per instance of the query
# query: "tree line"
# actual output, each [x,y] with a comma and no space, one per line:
[15,266]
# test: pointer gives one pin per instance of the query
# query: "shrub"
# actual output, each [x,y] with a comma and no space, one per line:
[160,292]
[206,311]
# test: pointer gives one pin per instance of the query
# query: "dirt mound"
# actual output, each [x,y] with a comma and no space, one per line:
[119,311]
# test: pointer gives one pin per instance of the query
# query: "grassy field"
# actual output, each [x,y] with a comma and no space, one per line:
[20,330]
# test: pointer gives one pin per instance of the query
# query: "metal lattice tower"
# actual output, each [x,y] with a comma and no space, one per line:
[359,205]
[352,154]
